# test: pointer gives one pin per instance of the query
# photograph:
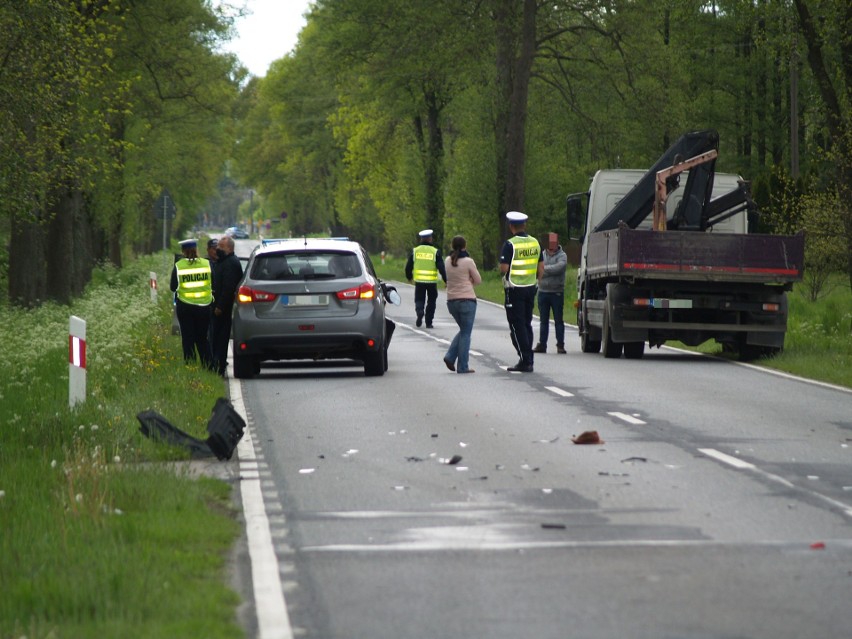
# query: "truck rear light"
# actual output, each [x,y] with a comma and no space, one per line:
[772,307]
[248,295]
[642,301]
[365,292]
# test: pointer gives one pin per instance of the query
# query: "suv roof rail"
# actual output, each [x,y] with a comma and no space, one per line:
[267,241]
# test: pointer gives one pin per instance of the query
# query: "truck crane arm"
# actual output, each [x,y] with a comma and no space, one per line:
[639,201]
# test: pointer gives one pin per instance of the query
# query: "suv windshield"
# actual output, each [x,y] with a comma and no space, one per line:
[306,265]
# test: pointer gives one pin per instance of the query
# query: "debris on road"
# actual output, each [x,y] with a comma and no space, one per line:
[588,437]
[225,427]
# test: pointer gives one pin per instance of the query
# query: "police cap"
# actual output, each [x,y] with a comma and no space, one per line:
[188,244]
[425,233]
[516,217]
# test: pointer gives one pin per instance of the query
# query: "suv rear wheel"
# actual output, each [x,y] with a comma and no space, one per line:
[374,363]
[244,367]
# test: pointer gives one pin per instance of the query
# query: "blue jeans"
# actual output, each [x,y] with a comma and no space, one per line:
[464,312]
[548,302]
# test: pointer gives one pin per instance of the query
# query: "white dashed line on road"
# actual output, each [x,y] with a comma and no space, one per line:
[628,418]
[726,459]
[559,391]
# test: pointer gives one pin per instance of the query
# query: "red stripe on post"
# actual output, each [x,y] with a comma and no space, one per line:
[77,351]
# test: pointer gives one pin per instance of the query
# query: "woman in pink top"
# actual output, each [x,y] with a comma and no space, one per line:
[462,276]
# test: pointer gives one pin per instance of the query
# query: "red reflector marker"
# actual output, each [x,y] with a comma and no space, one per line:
[306,327]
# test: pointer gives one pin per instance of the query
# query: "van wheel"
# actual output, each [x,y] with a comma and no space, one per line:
[611,350]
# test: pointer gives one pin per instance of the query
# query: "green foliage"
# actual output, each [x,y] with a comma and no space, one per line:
[97,540]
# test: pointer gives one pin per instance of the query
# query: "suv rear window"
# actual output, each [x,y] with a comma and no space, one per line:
[306,265]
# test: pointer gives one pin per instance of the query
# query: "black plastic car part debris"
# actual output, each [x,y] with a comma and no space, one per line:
[226,428]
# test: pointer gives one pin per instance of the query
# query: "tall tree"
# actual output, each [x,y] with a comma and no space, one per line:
[829,45]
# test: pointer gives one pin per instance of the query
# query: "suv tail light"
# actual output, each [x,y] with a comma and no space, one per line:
[248,295]
[366,291]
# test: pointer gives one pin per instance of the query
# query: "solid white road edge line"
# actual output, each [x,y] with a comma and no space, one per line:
[270,607]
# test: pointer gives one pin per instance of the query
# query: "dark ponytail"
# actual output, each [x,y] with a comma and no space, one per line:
[459,244]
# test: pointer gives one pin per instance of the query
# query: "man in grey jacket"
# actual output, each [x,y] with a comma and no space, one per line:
[551,293]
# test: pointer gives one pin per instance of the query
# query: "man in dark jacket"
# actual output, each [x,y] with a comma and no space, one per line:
[229,272]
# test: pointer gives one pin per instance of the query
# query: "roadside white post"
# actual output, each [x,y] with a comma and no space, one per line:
[76,361]
[383,257]
[152,281]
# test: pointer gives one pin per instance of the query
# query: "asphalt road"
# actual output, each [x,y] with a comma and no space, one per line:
[719,504]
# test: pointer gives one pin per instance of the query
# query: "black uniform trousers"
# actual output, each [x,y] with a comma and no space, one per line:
[194,323]
[519,312]
[221,331]
[425,300]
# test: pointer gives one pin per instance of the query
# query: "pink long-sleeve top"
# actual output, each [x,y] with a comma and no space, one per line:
[461,278]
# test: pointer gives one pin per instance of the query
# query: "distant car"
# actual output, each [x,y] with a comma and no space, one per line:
[237,233]
[311,299]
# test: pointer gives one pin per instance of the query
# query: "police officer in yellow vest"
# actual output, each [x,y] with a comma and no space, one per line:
[425,263]
[522,265]
[192,282]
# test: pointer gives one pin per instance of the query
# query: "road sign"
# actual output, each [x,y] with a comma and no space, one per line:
[164,207]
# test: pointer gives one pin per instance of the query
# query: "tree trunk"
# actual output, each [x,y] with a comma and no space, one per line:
[839,127]
[515,49]
[27,273]
[434,165]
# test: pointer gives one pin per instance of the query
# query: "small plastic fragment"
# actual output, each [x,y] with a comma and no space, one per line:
[818,545]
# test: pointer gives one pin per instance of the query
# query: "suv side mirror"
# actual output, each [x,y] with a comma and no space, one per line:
[391,294]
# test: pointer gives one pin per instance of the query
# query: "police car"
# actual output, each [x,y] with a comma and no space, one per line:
[311,299]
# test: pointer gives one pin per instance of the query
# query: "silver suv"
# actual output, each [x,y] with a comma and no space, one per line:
[312,299]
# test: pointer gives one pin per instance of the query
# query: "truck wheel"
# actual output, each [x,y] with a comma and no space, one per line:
[587,344]
[634,350]
[611,350]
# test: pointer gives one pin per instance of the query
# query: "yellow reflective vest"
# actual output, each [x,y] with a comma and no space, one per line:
[425,266]
[195,282]
[524,266]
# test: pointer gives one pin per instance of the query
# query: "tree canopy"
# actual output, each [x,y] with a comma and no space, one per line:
[391,116]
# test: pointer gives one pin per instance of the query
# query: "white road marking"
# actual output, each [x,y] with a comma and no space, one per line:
[476,542]
[270,607]
[628,418]
[727,459]
[559,391]
[846,509]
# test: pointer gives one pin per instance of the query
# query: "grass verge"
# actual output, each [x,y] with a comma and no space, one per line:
[97,541]
[819,334]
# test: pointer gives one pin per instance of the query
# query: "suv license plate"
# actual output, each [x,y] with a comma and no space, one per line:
[304,300]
